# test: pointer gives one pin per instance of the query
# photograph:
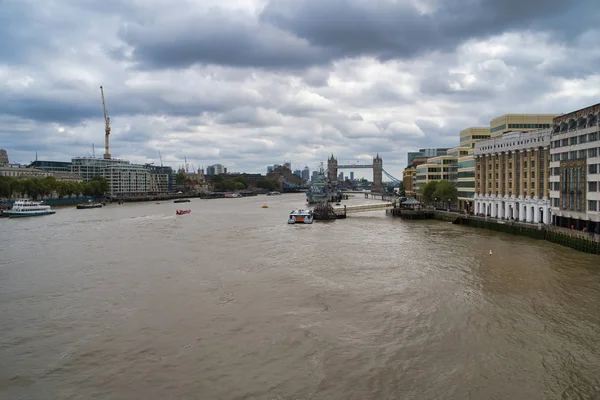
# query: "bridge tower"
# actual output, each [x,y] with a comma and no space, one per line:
[377,174]
[332,168]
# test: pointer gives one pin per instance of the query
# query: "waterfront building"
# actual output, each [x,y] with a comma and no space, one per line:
[520,123]
[22,172]
[511,176]
[51,166]
[123,177]
[465,182]
[408,180]
[435,169]
[575,169]
[128,179]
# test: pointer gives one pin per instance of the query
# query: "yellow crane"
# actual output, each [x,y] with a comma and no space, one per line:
[107,128]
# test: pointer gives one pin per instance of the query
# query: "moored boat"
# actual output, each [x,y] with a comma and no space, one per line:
[29,208]
[232,195]
[89,204]
[301,217]
[182,201]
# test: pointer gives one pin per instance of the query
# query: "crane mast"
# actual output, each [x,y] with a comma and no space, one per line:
[107,127]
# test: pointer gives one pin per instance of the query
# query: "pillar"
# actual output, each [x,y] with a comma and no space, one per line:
[507,212]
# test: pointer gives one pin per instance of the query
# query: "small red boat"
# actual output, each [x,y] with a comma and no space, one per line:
[181,212]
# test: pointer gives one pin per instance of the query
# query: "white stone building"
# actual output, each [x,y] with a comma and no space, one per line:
[511,176]
[575,169]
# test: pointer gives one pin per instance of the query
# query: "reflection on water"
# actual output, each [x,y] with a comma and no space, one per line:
[230,302]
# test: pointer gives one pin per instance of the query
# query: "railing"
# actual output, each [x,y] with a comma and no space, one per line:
[365,207]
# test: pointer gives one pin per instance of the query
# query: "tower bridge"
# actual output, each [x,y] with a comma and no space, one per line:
[376,166]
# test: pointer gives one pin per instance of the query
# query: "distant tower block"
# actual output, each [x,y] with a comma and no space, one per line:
[377,174]
[332,168]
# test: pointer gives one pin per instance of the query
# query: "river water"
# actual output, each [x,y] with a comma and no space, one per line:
[229,302]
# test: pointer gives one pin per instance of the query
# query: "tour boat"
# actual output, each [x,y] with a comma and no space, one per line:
[29,208]
[301,217]
[181,212]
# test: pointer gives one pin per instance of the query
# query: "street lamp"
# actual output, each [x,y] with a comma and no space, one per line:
[448,205]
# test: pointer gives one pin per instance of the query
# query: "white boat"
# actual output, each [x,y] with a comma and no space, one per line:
[301,217]
[29,208]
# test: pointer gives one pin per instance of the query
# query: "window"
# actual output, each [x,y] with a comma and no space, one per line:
[592,186]
[593,152]
[593,169]
[592,205]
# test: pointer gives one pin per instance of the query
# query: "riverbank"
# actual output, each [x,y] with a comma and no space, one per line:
[580,241]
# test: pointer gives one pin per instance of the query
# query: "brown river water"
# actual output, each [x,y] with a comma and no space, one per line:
[229,302]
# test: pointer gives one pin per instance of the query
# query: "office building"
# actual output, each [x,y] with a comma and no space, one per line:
[470,136]
[435,169]
[425,153]
[123,177]
[520,123]
[216,169]
[306,173]
[575,169]
[511,176]
[465,182]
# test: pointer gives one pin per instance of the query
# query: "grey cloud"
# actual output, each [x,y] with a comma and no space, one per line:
[390,30]
[233,39]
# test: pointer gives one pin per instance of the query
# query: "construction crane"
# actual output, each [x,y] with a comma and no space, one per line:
[107,128]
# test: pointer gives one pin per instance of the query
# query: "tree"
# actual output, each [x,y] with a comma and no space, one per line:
[445,191]
[269,184]
[428,191]
[180,178]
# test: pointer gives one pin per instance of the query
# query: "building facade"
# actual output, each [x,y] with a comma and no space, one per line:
[512,175]
[408,180]
[216,169]
[123,177]
[470,136]
[426,153]
[435,169]
[520,123]
[575,169]
[3,158]
[465,183]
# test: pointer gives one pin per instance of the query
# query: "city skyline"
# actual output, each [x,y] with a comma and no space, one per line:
[310,86]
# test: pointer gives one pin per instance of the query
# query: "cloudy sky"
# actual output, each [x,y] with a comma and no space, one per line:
[247,83]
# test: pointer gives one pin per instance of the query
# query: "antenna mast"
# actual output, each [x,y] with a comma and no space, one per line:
[107,128]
